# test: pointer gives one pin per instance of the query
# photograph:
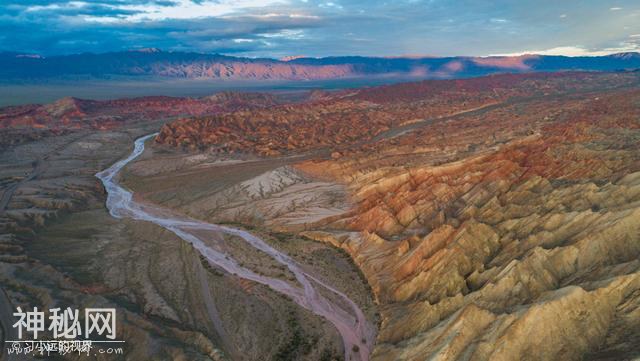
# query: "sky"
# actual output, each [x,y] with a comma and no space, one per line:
[280,28]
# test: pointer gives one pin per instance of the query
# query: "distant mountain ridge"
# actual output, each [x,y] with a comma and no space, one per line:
[154,62]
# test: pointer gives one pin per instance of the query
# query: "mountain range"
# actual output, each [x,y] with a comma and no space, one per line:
[164,64]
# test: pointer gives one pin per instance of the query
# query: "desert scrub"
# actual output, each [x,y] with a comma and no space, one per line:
[297,345]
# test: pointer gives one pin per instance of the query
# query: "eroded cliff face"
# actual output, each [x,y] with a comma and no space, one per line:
[513,235]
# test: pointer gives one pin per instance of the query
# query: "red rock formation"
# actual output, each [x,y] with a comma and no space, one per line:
[510,232]
[352,117]
[23,122]
[73,112]
[516,229]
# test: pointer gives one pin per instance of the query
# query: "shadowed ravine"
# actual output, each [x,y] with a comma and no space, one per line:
[351,324]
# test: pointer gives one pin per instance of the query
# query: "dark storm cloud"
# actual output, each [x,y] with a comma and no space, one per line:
[318,28]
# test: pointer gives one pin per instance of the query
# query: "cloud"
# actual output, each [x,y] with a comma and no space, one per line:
[187,9]
[319,27]
[578,51]
[96,26]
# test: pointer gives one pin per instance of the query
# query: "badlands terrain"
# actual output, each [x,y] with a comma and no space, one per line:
[492,218]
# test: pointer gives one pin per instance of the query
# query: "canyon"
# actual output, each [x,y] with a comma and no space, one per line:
[490,218]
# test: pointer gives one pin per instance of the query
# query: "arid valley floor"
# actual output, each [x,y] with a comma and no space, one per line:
[490,218]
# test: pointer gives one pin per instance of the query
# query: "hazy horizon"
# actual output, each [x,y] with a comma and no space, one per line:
[105,89]
[289,58]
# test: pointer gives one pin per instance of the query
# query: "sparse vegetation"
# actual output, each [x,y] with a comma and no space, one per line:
[298,344]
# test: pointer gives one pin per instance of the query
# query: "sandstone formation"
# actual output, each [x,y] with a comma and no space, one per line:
[28,122]
[507,231]
[355,116]
[513,236]
[493,219]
